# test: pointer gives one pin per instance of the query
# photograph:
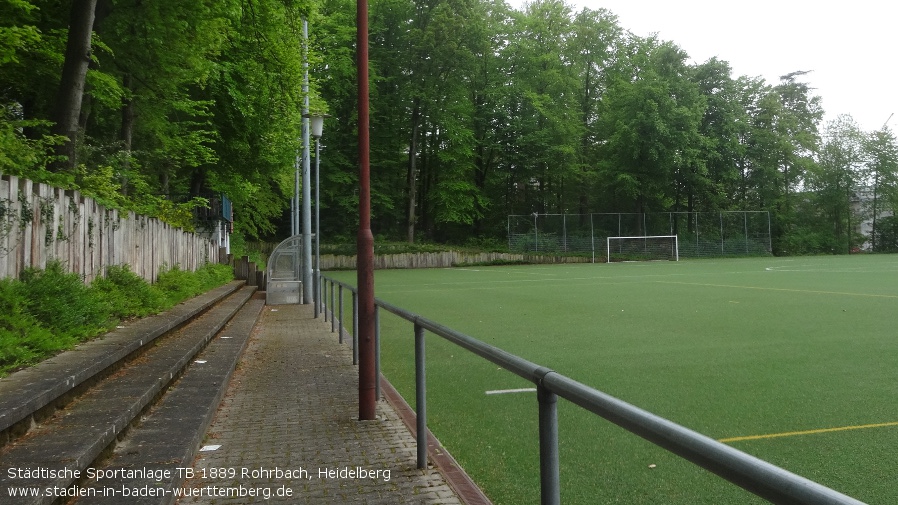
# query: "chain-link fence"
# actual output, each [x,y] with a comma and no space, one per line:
[700,234]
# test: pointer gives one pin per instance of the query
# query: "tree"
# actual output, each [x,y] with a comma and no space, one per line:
[592,50]
[544,125]
[71,85]
[781,141]
[835,180]
[718,186]
[651,118]
[882,175]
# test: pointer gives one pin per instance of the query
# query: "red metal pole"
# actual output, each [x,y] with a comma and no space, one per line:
[365,240]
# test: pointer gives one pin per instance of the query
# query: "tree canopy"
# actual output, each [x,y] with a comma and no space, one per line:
[478,111]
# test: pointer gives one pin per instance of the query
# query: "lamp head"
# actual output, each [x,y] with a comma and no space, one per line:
[316,124]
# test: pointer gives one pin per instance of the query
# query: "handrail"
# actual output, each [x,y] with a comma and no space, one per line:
[757,476]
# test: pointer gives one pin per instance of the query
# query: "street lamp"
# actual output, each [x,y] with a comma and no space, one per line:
[317,127]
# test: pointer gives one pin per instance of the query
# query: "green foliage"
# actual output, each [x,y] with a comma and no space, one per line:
[16,35]
[22,337]
[212,275]
[387,247]
[478,111]
[62,302]
[240,248]
[20,155]
[126,294]
[50,310]
[886,234]
[176,285]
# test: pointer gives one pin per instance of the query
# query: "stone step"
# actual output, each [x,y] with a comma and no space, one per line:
[67,443]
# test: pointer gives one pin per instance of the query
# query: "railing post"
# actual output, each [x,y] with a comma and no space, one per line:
[420,397]
[355,328]
[377,351]
[324,298]
[549,475]
[333,306]
[317,288]
[340,325]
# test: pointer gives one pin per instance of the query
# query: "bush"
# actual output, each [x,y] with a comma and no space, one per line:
[212,275]
[47,311]
[176,285]
[62,302]
[22,338]
[126,294]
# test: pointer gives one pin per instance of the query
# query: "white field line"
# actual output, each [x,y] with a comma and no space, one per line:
[507,391]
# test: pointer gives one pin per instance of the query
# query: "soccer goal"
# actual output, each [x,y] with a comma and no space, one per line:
[644,248]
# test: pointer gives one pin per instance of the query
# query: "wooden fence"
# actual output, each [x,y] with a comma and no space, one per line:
[444,260]
[39,223]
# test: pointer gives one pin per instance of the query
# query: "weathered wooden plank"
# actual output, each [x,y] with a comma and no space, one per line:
[39,223]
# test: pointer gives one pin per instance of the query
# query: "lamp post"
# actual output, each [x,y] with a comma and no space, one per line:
[317,128]
[365,239]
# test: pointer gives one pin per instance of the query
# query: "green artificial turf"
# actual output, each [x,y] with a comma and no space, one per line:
[729,348]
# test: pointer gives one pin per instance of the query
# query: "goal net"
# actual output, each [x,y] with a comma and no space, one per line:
[643,248]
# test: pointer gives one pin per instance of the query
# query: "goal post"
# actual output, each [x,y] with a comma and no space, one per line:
[642,248]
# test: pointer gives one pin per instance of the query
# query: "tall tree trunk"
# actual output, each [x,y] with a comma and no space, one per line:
[71,85]
[413,172]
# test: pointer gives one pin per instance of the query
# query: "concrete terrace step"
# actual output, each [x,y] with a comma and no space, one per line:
[74,437]
[31,394]
[169,435]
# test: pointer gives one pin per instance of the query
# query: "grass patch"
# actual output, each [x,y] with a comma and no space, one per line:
[51,310]
[725,347]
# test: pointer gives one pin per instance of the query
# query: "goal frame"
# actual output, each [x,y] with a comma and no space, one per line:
[676,244]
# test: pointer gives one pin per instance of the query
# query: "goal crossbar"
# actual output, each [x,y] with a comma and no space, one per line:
[667,242]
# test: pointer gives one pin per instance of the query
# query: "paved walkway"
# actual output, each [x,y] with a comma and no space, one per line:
[288,430]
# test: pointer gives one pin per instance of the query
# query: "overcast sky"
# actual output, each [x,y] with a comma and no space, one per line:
[849,46]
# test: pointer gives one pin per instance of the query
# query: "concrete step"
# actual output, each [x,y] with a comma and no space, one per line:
[67,443]
[29,395]
[167,439]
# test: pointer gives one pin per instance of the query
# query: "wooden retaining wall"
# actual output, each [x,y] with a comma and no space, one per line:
[443,260]
[40,223]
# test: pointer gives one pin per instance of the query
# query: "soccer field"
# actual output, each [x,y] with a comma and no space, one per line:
[793,360]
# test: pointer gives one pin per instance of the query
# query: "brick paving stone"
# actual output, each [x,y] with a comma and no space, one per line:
[292,405]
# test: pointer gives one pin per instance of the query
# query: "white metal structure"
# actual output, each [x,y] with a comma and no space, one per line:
[285,271]
[641,248]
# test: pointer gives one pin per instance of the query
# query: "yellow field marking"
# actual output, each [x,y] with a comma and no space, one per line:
[806,432]
[842,293]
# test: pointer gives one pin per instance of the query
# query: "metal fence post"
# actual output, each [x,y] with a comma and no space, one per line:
[317,288]
[377,351]
[332,306]
[340,324]
[721,232]
[592,237]
[323,295]
[355,328]
[549,473]
[420,397]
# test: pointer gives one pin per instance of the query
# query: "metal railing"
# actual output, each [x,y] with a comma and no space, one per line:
[748,472]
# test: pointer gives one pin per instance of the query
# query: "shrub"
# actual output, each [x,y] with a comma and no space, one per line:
[50,310]
[126,294]
[22,338]
[62,302]
[212,275]
[175,285]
